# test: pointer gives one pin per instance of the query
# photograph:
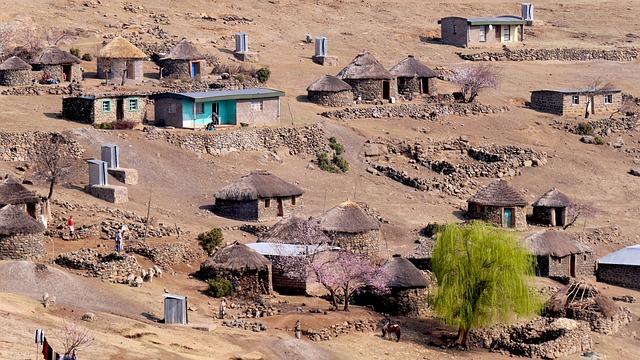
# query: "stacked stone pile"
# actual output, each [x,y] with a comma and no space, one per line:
[603,127]
[255,311]
[37,90]
[112,267]
[165,256]
[427,111]
[607,236]
[245,325]
[560,54]
[344,328]
[22,146]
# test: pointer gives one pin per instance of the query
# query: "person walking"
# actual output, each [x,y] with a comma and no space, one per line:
[71,225]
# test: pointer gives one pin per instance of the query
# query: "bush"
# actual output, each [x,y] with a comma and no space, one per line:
[87,57]
[116,125]
[584,128]
[432,229]
[263,74]
[341,163]
[324,163]
[598,140]
[219,287]
[75,52]
[210,240]
[104,126]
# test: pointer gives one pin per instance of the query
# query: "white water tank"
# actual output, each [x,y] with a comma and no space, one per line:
[242,42]
[111,155]
[321,46]
[97,172]
[527,13]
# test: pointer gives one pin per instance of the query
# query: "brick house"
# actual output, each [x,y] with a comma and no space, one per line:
[368,78]
[192,110]
[499,203]
[578,103]
[482,31]
[106,108]
[621,268]
[551,208]
[559,254]
[412,76]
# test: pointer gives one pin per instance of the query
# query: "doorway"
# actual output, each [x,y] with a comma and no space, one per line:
[508,218]
[131,72]
[280,208]
[195,69]
[572,265]
[66,72]
[119,109]
[424,85]
[386,90]
[559,216]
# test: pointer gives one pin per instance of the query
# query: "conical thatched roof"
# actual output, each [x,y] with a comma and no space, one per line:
[411,67]
[553,198]
[14,220]
[348,217]
[258,184]
[402,274]
[53,56]
[555,243]
[184,50]
[365,66]
[15,63]
[236,257]
[498,193]
[12,192]
[121,48]
[329,83]
[295,230]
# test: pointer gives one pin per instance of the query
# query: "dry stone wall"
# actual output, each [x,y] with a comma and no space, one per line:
[22,247]
[37,90]
[22,146]
[560,54]
[426,111]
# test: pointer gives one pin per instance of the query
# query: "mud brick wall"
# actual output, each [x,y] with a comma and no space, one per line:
[333,99]
[622,275]
[367,243]
[549,102]
[117,66]
[289,206]
[453,31]
[19,247]
[414,85]
[15,77]
[269,115]
[370,90]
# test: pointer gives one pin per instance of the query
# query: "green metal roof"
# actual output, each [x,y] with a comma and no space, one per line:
[496,20]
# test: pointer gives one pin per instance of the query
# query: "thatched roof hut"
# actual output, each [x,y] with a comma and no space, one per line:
[295,230]
[329,83]
[121,48]
[13,192]
[330,91]
[402,274]
[365,66]
[14,63]
[15,221]
[410,67]
[499,193]
[348,217]
[184,50]
[258,185]
[53,56]
[553,198]
[237,257]
[555,243]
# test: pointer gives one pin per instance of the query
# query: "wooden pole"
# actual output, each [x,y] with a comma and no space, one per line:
[146,224]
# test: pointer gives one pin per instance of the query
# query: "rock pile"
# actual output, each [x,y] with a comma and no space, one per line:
[255,311]
[560,54]
[600,127]
[245,325]
[22,146]
[37,90]
[606,236]
[112,267]
[306,140]
[426,111]
[167,255]
[336,330]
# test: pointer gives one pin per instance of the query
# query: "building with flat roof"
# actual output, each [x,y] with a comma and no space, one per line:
[482,31]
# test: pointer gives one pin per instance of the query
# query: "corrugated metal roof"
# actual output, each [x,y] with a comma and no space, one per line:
[253,93]
[496,20]
[627,256]
[174,296]
[579,91]
[277,249]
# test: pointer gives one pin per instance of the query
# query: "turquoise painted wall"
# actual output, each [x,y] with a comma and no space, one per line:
[226,111]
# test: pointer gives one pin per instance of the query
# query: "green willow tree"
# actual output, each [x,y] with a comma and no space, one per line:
[483,275]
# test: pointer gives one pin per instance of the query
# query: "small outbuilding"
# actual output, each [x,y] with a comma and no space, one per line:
[408,287]
[295,230]
[21,236]
[248,271]
[482,31]
[368,78]
[15,72]
[414,77]
[559,254]
[499,203]
[12,192]
[621,268]
[55,64]
[330,91]
[105,108]
[184,61]
[175,309]
[576,102]
[121,59]
[551,208]
[259,196]
[351,228]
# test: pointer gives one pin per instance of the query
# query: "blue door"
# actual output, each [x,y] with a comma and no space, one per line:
[508,218]
[195,69]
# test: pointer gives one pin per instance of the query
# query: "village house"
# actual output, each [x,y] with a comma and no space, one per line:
[193,110]
[621,268]
[576,102]
[105,108]
[259,196]
[248,271]
[21,236]
[481,31]
[120,59]
[408,288]
[55,64]
[15,72]
[499,203]
[330,91]
[12,192]
[351,228]
[184,61]
[414,77]
[551,208]
[295,230]
[369,80]
[559,254]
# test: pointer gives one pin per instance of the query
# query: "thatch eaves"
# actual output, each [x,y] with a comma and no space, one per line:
[121,48]
[348,217]
[329,83]
[295,230]
[53,56]
[555,243]
[411,67]
[258,185]
[184,50]
[15,221]
[499,193]
[14,63]
[13,192]
[365,67]
[553,198]
[402,274]
[236,257]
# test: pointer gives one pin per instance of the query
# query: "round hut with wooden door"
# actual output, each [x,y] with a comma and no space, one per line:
[21,236]
[12,192]
[559,254]
[499,203]
[330,91]
[184,61]
[248,271]
[551,208]
[408,288]
[414,77]
[120,58]
[369,80]
[15,72]
[56,65]
[350,227]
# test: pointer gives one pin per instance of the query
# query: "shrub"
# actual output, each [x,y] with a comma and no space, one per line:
[104,126]
[75,52]
[263,74]
[598,140]
[341,163]
[336,146]
[584,128]
[210,240]
[124,125]
[219,287]
[324,163]
[87,57]
[432,229]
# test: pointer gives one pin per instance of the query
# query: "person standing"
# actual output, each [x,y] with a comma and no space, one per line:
[119,241]
[223,309]
[71,224]
[298,330]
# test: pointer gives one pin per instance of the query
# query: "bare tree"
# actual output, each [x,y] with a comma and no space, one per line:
[74,337]
[628,107]
[596,86]
[473,78]
[7,33]
[54,37]
[576,211]
[52,162]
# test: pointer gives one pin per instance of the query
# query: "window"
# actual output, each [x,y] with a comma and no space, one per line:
[199,108]
[483,34]
[106,106]
[257,105]
[585,257]
[293,200]
[575,99]
[506,33]
[608,99]
[172,108]
[560,260]
[134,105]
[267,203]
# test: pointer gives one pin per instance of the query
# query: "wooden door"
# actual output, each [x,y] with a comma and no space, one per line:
[386,89]
[119,109]
[131,71]
[280,208]
[573,265]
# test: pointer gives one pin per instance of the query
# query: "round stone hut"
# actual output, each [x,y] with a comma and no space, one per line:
[551,208]
[560,255]
[21,236]
[369,80]
[15,72]
[414,77]
[12,192]
[295,230]
[184,61]
[408,288]
[499,203]
[330,91]
[351,228]
[121,58]
[248,271]
[58,65]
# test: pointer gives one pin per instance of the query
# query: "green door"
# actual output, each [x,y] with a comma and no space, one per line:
[508,218]
[227,113]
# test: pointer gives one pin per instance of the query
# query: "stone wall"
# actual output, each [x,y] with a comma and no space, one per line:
[453,31]
[414,85]
[56,72]
[22,146]
[370,90]
[138,116]
[560,267]
[238,210]
[559,54]
[16,77]
[547,101]
[494,215]
[367,243]
[284,281]
[433,109]
[407,302]
[117,66]
[622,275]
[18,247]
[289,206]
[247,283]
[333,99]
[37,90]
[179,69]
[547,216]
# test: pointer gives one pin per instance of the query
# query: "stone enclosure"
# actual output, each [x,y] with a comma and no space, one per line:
[560,54]
[20,247]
